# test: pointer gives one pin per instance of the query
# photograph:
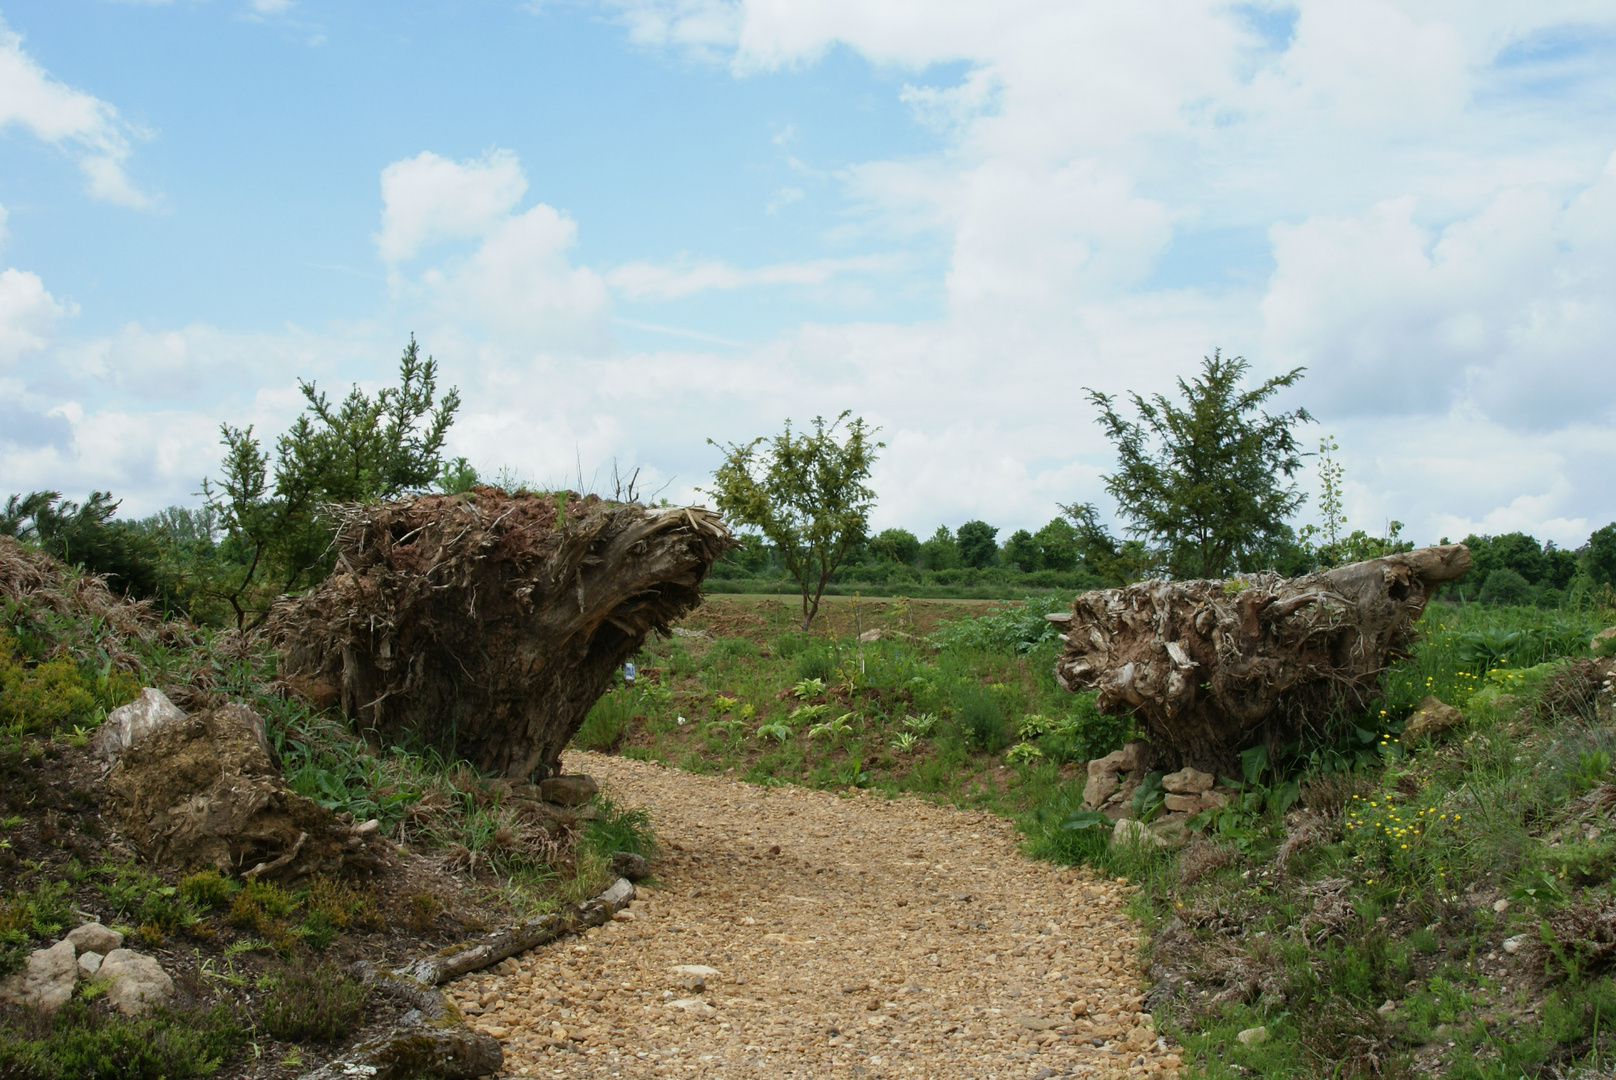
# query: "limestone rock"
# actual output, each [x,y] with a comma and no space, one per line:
[1105,784]
[629,865]
[93,937]
[90,962]
[1253,1036]
[1188,782]
[139,983]
[1433,717]
[1171,830]
[571,789]
[1129,831]
[872,635]
[128,724]
[48,980]
[1604,642]
[1102,782]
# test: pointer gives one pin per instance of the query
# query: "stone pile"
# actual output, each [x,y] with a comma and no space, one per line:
[135,983]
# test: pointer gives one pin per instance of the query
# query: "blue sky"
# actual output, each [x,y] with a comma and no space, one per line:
[624,228]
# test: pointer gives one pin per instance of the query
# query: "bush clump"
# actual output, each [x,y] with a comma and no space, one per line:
[85,1043]
[312,1001]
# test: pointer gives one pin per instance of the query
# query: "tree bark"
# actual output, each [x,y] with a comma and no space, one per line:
[488,624]
[1214,667]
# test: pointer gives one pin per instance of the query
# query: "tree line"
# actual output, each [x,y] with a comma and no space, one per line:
[1205,485]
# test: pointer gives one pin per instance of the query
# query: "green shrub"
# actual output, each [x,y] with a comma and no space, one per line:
[26,916]
[979,718]
[816,662]
[312,1001]
[207,889]
[1505,586]
[619,829]
[80,1043]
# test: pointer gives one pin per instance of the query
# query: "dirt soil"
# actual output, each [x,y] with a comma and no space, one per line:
[848,936]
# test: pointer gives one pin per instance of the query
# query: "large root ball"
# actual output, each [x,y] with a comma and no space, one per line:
[1213,667]
[487,624]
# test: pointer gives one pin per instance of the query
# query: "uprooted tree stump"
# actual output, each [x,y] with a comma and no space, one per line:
[487,624]
[202,791]
[1214,667]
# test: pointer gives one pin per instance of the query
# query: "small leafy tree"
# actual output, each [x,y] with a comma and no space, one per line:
[1204,484]
[361,450]
[1021,551]
[1598,555]
[976,544]
[896,545]
[806,493]
[941,552]
[1057,545]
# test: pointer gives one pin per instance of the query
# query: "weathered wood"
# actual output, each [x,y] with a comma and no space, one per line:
[1213,667]
[425,1049]
[434,1041]
[488,624]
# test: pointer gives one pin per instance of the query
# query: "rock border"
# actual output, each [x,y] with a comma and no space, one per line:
[433,1039]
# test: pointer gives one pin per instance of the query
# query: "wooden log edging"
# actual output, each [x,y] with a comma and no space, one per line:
[434,1039]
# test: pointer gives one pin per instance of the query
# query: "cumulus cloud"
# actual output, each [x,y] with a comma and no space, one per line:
[518,280]
[28,317]
[87,128]
[1511,308]
[428,198]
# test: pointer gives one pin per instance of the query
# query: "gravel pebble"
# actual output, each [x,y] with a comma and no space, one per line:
[846,936]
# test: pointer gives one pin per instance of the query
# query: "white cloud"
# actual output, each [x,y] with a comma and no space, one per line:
[428,198]
[28,317]
[784,198]
[654,281]
[517,281]
[1512,308]
[699,27]
[84,125]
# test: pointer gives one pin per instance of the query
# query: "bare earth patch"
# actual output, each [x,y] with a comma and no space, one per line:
[806,933]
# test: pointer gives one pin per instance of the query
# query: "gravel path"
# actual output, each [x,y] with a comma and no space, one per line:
[803,933]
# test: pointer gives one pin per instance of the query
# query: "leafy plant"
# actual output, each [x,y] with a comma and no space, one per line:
[921,724]
[1593,766]
[81,1043]
[1023,752]
[777,731]
[832,729]
[905,741]
[807,688]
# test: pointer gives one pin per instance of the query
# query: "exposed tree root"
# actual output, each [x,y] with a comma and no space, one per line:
[487,624]
[1212,667]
